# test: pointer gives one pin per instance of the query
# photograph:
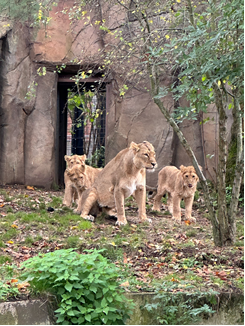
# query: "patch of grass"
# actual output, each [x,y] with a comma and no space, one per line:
[10,210]
[239,243]
[217,281]
[191,233]
[84,225]
[164,199]
[27,217]
[9,235]
[72,242]
[56,202]
[42,206]
[4,259]
[29,240]
[239,283]
[2,244]
[113,253]
[136,240]
[190,276]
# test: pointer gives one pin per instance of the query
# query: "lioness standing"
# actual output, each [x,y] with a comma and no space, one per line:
[179,184]
[123,176]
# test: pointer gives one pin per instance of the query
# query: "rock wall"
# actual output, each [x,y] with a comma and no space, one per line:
[29,140]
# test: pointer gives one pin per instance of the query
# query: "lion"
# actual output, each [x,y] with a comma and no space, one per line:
[123,176]
[82,177]
[70,188]
[179,184]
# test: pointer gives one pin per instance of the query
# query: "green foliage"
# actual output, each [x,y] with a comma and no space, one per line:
[6,290]
[178,308]
[35,12]
[97,156]
[7,272]
[86,286]
[210,51]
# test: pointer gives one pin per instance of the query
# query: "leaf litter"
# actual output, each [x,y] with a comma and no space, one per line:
[35,221]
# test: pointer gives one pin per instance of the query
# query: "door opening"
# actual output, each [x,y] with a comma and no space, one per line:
[82,118]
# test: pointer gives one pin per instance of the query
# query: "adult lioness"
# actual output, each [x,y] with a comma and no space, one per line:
[82,176]
[70,189]
[123,176]
[179,184]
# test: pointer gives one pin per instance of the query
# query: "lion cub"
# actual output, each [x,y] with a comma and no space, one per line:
[179,184]
[70,188]
[82,176]
[123,176]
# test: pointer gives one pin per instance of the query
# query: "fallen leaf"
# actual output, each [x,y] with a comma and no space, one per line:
[22,287]
[125,260]
[14,280]
[222,275]
[187,222]
[30,188]
[14,226]
[125,284]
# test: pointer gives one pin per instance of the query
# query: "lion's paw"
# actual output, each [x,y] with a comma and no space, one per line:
[89,218]
[191,219]
[149,220]
[119,223]
[177,220]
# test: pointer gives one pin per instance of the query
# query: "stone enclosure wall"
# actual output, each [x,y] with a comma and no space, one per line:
[29,130]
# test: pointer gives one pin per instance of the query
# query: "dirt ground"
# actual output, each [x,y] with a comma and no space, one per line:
[33,220]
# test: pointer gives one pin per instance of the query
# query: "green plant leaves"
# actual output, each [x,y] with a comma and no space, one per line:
[86,286]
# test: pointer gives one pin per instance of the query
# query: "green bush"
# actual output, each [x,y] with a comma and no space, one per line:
[180,308]
[86,286]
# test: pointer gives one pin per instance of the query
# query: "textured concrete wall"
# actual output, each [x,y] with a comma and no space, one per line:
[229,311]
[28,128]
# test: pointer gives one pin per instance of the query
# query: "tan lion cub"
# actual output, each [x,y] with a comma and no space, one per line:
[82,176]
[123,176]
[70,188]
[179,184]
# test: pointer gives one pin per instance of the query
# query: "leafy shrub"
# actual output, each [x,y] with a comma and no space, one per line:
[85,285]
[178,308]
[7,288]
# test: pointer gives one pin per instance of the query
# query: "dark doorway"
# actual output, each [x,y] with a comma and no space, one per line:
[82,116]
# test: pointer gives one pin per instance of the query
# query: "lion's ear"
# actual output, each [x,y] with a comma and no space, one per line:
[134,146]
[82,168]
[67,158]
[83,157]
[182,168]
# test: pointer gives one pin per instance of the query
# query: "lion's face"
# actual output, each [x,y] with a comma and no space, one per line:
[145,156]
[77,175]
[75,159]
[189,176]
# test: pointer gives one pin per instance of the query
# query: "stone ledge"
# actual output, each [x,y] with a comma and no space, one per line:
[229,311]
[26,312]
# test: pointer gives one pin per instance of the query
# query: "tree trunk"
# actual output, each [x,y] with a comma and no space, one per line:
[239,165]
[203,181]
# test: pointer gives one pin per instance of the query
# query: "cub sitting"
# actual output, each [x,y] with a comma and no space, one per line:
[179,184]
[123,176]
[82,176]
[70,188]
